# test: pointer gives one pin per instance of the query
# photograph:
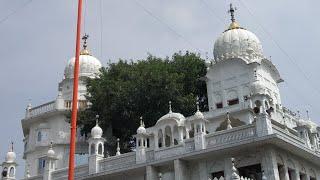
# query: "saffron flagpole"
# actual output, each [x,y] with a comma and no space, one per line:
[75,97]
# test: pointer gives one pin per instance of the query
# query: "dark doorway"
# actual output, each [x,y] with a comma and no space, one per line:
[254,172]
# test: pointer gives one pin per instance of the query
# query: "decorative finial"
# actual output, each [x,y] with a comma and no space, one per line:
[11,147]
[85,45]
[85,38]
[228,121]
[141,122]
[299,116]
[170,109]
[231,11]
[51,145]
[97,120]
[308,115]
[234,24]
[198,109]
[118,147]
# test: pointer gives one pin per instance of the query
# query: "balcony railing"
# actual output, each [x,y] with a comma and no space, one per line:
[44,108]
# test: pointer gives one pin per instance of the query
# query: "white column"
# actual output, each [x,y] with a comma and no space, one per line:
[269,164]
[156,146]
[227,168]
[151,173]
[296,175]
[203,174]
[180,170]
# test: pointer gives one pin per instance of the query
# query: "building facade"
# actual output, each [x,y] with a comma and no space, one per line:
[246,134]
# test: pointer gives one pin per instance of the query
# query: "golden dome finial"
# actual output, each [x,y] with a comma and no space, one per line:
[85,51]
[234,24]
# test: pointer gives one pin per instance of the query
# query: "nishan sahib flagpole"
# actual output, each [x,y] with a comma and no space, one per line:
[75,96]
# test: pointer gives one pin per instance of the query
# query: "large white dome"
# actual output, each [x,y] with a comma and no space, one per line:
[237,42]
[89,66]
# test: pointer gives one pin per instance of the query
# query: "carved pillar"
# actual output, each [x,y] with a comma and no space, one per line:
[203,174]
[227,168]
[180,170]
[263,125]
[269,164]
[172,138]
[156,143]
[151,173]
[163,138]
[296,175]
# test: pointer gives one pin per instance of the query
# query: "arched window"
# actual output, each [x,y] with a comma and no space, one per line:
[39,136]
[5,172]
[100,149]
[92,149]
[160,138]
[168,136]
[11,172]
[176,135]
[191,132]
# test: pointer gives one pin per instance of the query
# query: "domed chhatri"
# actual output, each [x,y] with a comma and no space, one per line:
[51,152]
[11,155]
[141,129]
[237,42]
[96,131]
[89,65]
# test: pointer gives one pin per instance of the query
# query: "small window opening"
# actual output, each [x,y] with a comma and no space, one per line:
[233,101]
[219,105]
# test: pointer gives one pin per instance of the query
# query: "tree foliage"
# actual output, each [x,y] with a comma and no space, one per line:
[127,90]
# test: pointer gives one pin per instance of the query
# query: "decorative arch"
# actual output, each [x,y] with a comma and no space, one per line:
[92,149]
[168,136]
[290,164]
[175,135]
[160,138]
[39,136]
[11,172]
[100,149]
[4,172]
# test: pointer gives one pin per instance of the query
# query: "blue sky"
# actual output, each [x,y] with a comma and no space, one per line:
[37,41]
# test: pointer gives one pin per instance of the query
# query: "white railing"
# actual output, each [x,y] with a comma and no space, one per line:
[39,177]
[231,136]
[44,108]
[118,162]
[150,155]
[189,145]
[60,174]
[167,152]
[240,178]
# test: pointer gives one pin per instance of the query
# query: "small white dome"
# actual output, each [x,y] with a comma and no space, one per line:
[141,130]
[51,153]
[179,118]
[199,115]
[96,132]
[10,157]
[89,66]
[237,42]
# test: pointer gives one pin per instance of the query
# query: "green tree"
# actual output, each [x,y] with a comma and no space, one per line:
[127,90]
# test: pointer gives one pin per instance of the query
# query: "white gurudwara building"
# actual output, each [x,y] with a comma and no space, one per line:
[246,134]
